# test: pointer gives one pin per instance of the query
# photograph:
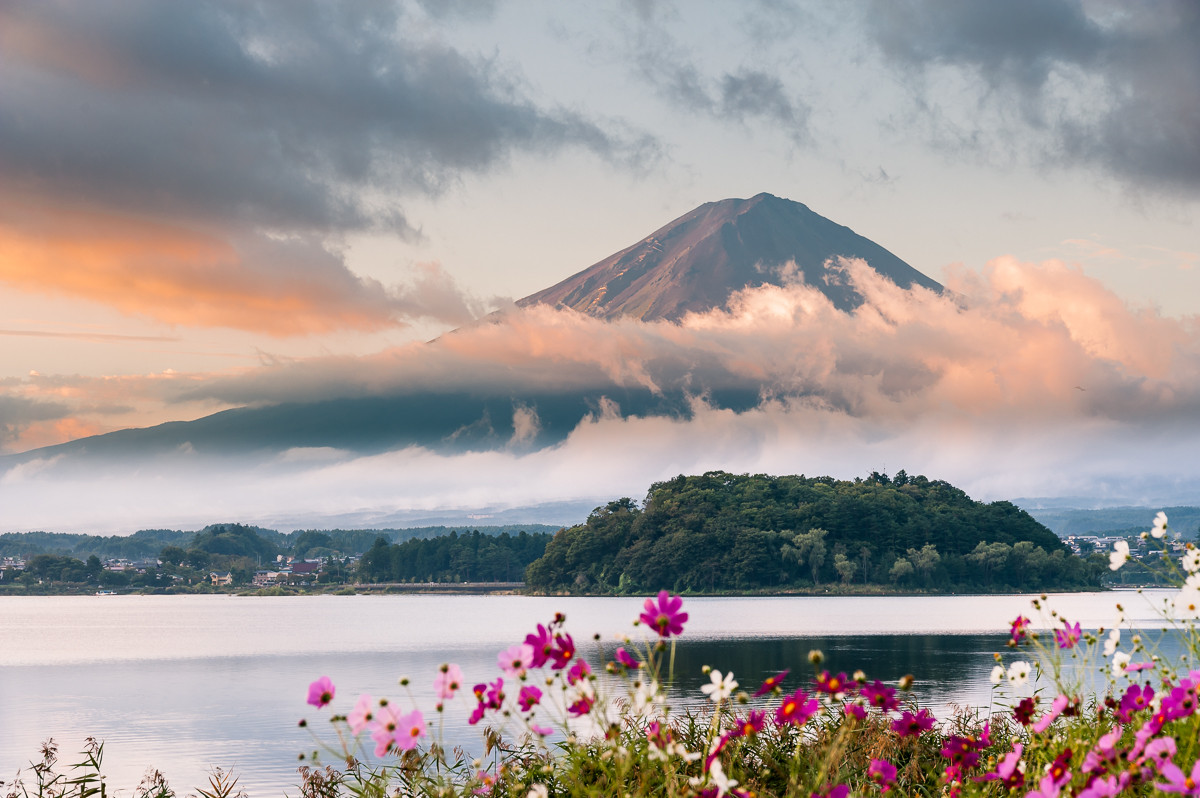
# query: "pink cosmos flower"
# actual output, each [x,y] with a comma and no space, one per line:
[855,710]
[1056,708]
[383,729]
[514,660]
[1105,788]
[1068,636]
[882,773]
[529,697]
[362,714]
[544,731]
[771,683]
[1178,782]
[448,681]
[628,661]
[320,692]
[796,709]
[1160,751]
[664,616]
[1104,752]
[1008,771]
[910,725]
[409,728]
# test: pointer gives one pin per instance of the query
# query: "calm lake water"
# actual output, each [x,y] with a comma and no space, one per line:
[183,683]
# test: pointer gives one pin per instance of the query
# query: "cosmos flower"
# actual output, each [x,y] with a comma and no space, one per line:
[529,697]
[1018,629]
[663,615]
[771,683]
[409,728]
[448,681]
[362,714]
[1068,636]
[320,692]
[1160,525]
[1118,556]
[627,660]
[719,688]
[1018,673]
[1056,708]
[514,660]
[1177,781]
[796,709]
[912,725]
[882,773]
[880,696]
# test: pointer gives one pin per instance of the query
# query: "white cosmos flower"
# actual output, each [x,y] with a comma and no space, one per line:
[721,688]
[1160,525]
[1114,640]
[1191,561]
[1120,554]
[1119,661]
[1018,673]
[538,791]
[997,674]
[1187,600]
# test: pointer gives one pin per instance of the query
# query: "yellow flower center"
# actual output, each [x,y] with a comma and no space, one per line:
[789,707]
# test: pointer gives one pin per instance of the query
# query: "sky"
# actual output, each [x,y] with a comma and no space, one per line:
[205,206]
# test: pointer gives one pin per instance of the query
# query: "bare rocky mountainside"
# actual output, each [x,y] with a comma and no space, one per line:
[697,261]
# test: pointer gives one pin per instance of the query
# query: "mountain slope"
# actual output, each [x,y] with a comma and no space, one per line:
[694,263]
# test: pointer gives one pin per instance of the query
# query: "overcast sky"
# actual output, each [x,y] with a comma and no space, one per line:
[199,201]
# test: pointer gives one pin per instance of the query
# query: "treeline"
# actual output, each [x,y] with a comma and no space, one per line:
[726,532]
[148,543]
[472,557]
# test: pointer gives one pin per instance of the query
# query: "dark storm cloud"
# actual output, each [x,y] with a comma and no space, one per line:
[1111,85]
[286,114]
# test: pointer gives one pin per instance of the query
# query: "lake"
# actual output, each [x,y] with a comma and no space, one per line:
[183,683]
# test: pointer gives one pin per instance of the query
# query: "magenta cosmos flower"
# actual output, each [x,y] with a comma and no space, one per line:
[771,683]
[882,773]
[910,725]
[663,614]
[321,692]
[1068,636]
[796,709]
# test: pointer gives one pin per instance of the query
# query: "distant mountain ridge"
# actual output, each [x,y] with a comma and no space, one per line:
[696,262]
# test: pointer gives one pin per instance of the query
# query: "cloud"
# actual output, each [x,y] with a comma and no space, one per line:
[1107,85]
[745,96]
[1032,379]
[169,151]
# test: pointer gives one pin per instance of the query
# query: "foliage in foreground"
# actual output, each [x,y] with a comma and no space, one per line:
[826,735]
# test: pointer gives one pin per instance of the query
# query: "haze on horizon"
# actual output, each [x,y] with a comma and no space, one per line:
[204,207]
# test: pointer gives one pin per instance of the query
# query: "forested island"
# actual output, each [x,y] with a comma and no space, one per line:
[722,532]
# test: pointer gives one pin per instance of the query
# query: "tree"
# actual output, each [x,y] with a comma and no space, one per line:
[901,570]
[924,561]
[808,547]
[846,568]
